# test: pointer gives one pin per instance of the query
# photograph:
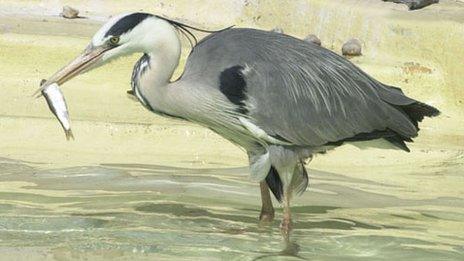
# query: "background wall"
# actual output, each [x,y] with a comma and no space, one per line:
[419,50]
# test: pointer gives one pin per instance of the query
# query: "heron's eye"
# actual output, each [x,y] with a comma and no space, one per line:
[114,40]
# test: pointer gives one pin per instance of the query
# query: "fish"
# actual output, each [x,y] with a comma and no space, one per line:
[57,104]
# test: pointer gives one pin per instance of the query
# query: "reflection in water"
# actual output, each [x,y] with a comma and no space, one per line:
[180,210]
[159,212]
[291,249]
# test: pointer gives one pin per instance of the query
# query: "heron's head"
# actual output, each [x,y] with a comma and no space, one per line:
[120,36]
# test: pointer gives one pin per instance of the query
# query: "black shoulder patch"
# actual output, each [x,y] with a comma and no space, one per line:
[126,24]
[233,85]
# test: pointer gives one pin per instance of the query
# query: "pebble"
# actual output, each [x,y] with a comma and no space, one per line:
[313,39]
[352,48]
[69,12]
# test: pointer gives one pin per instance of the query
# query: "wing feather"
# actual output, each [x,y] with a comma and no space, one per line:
[301,92]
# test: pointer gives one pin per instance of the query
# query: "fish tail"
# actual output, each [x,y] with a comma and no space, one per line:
[69,134]
[38,93]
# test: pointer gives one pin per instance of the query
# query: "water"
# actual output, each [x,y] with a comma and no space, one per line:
[123,211]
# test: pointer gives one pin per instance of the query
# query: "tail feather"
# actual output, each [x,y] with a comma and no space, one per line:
[417,111]
[399,142]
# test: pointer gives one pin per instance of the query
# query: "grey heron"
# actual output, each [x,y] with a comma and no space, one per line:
[279,98]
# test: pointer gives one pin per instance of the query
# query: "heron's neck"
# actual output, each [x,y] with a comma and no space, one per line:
[185,98]
[155,71]
[161,67]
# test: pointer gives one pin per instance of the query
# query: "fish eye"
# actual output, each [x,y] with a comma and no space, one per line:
[114,40]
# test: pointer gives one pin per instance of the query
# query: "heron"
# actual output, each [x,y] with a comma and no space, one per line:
[279,98]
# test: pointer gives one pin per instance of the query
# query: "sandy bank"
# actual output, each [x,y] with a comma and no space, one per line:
[419,51]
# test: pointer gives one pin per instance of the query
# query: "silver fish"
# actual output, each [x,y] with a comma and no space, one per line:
[57,105]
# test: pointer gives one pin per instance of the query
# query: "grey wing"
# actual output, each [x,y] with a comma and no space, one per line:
[298,92]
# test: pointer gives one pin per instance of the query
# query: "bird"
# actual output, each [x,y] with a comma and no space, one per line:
[279,98]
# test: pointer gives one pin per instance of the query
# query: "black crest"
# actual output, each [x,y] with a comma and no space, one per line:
[127,23]
[184,29]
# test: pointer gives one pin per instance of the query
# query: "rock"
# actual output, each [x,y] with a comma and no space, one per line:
[278,30]
[313,39]
[352,48]
[414,4]
[69,12]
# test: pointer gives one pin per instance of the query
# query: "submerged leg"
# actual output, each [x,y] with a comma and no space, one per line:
[286,225]
[267,210]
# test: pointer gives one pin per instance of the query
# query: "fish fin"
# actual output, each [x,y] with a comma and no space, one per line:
[69,134]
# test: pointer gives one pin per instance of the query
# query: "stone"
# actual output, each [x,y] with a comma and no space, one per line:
[69,12]
[312,38]
[414,4]
[352,48]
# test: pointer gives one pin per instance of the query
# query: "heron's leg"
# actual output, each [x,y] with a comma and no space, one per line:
[286,225]
[267,210]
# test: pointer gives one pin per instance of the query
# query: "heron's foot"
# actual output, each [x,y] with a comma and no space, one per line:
[266,216]
[286,227]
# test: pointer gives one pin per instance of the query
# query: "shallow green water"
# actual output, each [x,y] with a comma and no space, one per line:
[159,212]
